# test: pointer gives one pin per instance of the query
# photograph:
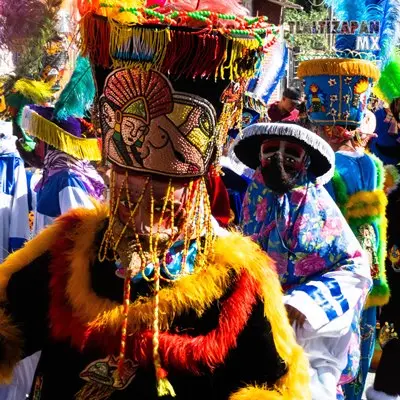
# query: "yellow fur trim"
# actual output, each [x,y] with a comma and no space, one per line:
[245,254]
[338,66]
[366,204]
[31,250]
[258,393]
[10,348]
[49,132]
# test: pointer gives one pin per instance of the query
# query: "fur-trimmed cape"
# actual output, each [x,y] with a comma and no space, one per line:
[239,276]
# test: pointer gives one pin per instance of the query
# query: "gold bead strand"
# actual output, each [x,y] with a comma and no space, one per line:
[108,235]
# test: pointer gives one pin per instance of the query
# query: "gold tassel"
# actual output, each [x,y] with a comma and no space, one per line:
[164,388]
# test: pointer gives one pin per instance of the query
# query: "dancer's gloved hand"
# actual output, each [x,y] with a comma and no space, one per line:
[295,316]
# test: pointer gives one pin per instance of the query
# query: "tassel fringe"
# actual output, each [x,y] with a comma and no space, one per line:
[338,66]
[43,129]
[111,44]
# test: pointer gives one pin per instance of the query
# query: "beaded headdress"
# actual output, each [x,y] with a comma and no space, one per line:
[170,77]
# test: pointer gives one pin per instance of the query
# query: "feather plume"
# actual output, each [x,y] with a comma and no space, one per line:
[387,12]
[77,96]
[390,30]
[37,92]
[388,86]
[347,10]
[344,11]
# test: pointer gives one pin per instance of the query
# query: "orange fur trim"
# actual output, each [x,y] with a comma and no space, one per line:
[10,348]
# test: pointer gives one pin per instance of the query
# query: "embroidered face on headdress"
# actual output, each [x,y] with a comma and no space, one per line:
[151,128]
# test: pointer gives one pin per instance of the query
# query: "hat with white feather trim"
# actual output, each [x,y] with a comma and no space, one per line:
[247,148]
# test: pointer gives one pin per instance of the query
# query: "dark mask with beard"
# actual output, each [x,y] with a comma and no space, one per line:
[283,164]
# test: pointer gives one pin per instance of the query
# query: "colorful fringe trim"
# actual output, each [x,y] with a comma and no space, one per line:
[338,66]
[77,313]
[50,133]
[207,54]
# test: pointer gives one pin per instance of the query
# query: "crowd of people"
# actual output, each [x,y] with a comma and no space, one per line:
[166,234]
